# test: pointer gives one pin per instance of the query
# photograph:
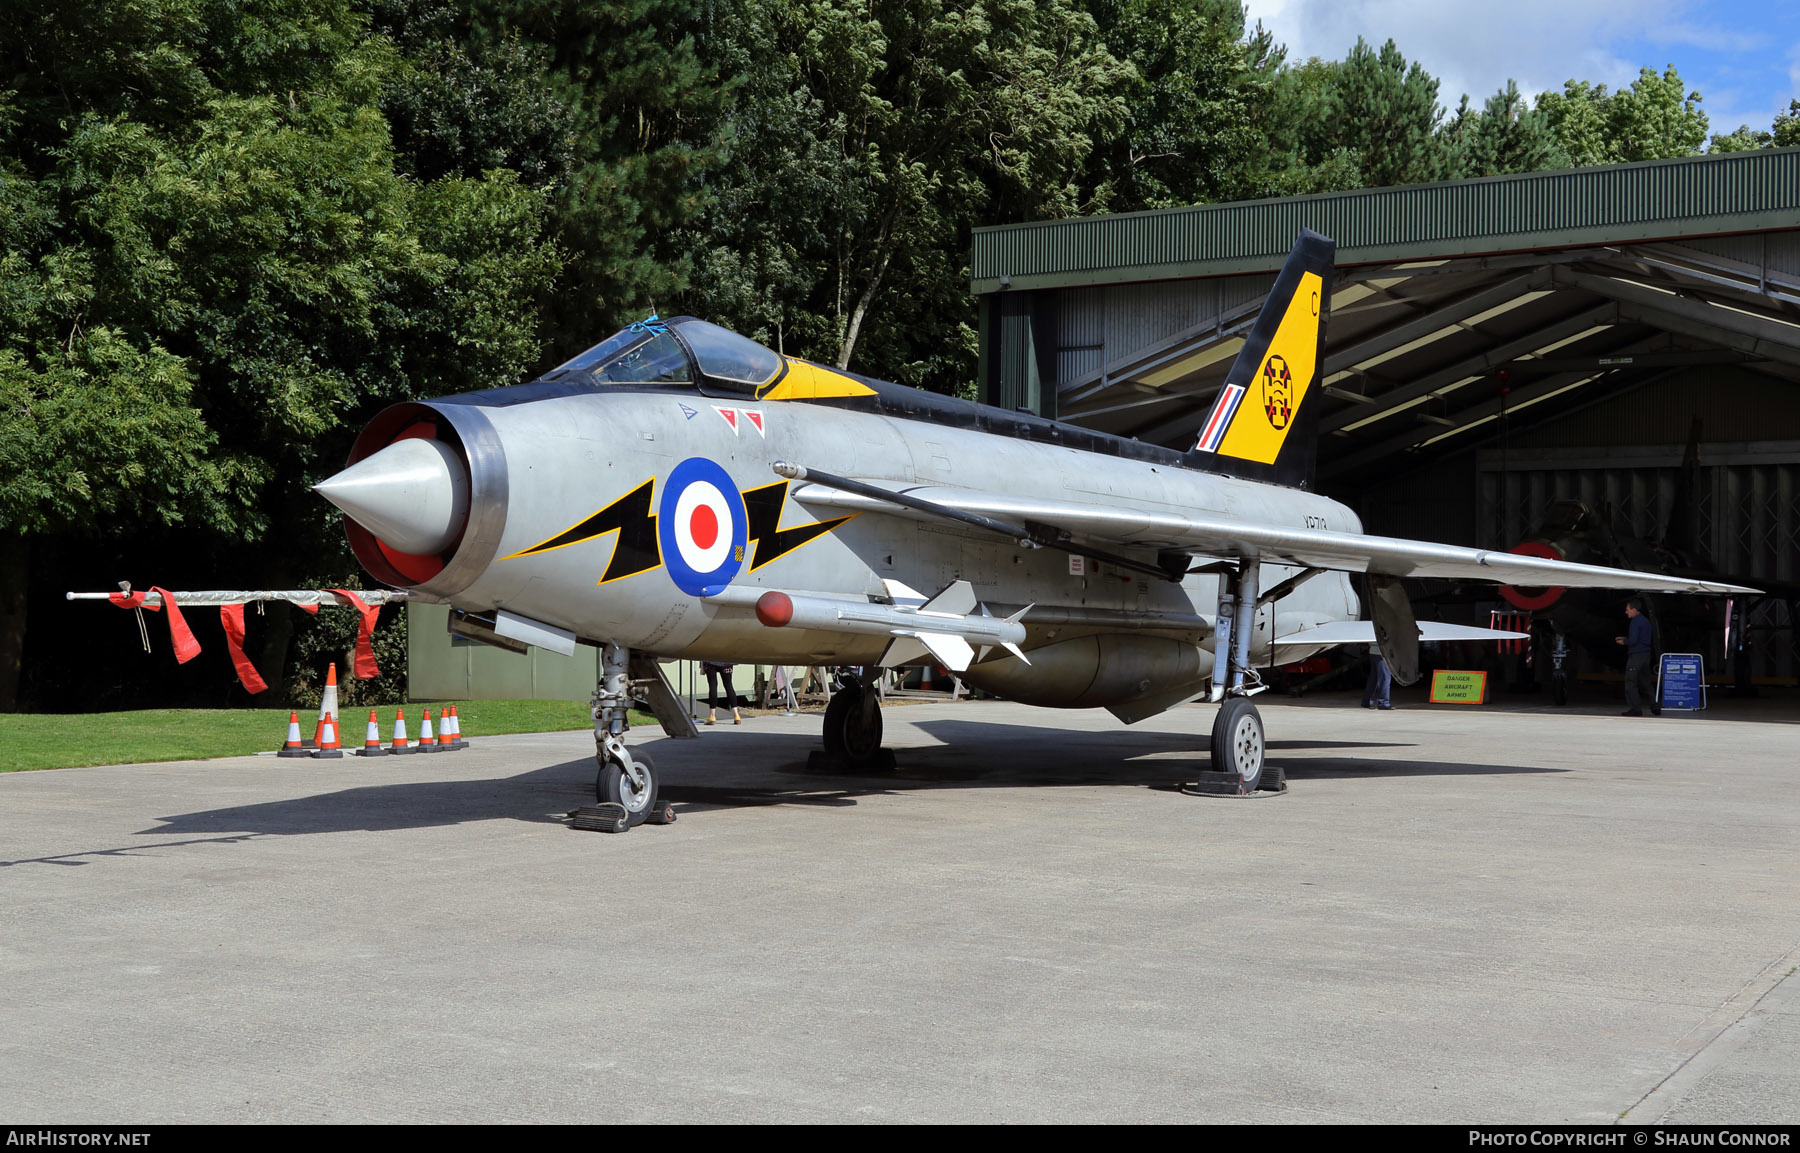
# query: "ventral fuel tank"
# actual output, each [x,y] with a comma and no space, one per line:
[1132,676]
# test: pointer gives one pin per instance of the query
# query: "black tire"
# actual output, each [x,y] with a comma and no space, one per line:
[847,741]
[1238,746]
[612,785]
[1559,689]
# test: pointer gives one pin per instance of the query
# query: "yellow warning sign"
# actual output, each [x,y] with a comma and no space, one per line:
[1453,687]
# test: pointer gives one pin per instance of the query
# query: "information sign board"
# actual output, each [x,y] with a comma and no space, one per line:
[1681,681]
[1458,687]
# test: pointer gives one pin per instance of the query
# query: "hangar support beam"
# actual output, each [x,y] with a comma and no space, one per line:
[1436,320]
[1763,336]
[1396,398]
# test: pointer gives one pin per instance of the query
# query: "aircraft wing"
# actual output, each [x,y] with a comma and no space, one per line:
[1363,633]
[1202,534]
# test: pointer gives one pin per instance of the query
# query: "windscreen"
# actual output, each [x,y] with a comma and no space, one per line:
[645,353]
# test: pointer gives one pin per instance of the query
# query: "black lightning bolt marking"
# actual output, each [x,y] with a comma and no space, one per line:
[772,542]
[629,516]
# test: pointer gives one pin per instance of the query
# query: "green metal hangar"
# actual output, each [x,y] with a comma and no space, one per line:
[1495,345]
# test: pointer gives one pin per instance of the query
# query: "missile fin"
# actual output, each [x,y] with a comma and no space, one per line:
[902,593]
[951,651]
[957,600]
[1016,651]
[903,650]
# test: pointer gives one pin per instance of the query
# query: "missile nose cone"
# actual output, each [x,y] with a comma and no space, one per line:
[413,495]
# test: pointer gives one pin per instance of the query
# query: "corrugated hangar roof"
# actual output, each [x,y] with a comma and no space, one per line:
[1454,303]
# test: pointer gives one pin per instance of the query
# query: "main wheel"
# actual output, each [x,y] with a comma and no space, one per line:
[851,736]
[1237,741]
[615,785]
[1559,689]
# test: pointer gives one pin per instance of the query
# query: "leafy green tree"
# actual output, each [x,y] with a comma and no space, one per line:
[470,95]
[1657,118]
[645,102]
[866,142]
[1198,104]
[1785,133]
[1507,135]
[215,271]
[1743,139]
[1372,109]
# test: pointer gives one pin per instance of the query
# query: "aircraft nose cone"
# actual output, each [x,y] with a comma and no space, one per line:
[413,495]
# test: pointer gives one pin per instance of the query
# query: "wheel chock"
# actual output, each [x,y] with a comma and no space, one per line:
[610,817]
[661,815]
[1210,784]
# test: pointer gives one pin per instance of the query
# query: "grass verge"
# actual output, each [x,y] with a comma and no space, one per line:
[63,741]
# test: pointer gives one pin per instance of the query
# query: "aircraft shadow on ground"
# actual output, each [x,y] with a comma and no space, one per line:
[749,769]
[541,795]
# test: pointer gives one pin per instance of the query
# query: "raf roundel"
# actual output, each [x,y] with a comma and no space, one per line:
[702,527]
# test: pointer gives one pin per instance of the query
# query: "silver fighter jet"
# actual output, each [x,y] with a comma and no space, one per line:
[681,491]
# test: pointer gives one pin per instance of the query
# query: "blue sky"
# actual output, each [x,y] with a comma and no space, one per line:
[1743,57]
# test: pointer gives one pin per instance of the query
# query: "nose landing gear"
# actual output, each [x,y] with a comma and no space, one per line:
[626,784]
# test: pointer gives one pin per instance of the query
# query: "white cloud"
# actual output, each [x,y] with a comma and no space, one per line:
[1476,48]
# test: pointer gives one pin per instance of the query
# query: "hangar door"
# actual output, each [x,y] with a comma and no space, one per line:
[1746,520]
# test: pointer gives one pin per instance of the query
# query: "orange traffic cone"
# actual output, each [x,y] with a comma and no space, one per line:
[372,741]
[456,729]
[328,701]
[295,747]
[427,743]
[400,745]
[329,745]
[446,739]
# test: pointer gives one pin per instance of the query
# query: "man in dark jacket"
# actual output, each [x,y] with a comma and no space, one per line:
[1638,647]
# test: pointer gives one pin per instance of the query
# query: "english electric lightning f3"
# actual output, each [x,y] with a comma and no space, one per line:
[681,491]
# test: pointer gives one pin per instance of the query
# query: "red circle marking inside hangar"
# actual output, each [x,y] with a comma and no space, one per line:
[1527,597]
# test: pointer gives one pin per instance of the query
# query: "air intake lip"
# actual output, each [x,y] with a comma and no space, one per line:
[463,441]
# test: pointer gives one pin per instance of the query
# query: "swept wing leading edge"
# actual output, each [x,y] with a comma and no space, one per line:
[1222,537]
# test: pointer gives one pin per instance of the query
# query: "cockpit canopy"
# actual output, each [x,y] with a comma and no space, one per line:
[678,351]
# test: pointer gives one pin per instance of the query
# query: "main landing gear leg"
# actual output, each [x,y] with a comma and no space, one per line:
[853,727]
[1239,750]
[626,779]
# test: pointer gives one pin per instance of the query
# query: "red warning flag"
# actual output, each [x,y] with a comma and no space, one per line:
[134,601]
[232,617]
[186,647]
[365,632]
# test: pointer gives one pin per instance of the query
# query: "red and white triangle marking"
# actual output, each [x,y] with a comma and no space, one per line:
[752,416]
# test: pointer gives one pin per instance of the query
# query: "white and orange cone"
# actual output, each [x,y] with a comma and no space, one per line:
[295,747]
[446,739]
[329,746]
[328,702]
[456,729]
[427,743]
[400,745]
[372,741]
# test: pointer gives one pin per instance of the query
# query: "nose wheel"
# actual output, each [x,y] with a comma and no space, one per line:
[633,787]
